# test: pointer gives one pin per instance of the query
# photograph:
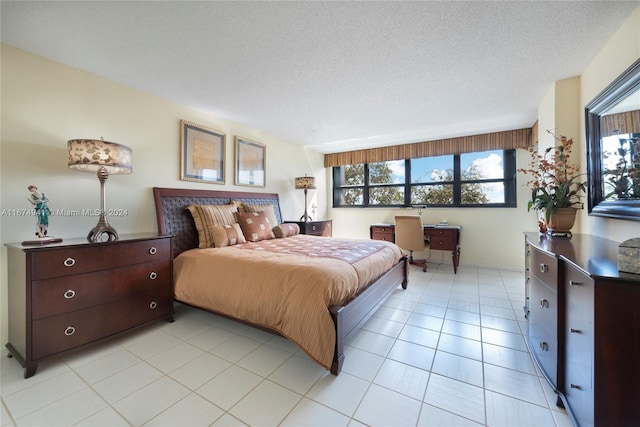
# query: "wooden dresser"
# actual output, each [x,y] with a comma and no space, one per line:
[584,327]
[315,228]
[75,293]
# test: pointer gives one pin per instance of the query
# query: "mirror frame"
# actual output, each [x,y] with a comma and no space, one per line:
[627,83]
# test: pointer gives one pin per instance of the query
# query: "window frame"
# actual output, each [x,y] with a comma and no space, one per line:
[508,180]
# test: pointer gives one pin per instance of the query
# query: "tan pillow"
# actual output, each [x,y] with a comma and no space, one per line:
[226,235]
[255,226]
[204,216]
[268,209]
[286,230]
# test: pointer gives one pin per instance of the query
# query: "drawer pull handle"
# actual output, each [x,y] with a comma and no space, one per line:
[544,268]
[69,262]
[153,250]
[575,331]
[69,331]
[153,305]
[573,283]
[544,303]
[577,387]
[544,346]
[70,293]
[153,275]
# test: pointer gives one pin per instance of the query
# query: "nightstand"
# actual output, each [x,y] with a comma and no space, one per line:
[315,228]
[68,295]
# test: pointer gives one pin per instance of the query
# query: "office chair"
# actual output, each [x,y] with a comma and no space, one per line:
[410,237]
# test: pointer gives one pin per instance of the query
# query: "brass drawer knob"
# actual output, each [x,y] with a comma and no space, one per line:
[153,305]
[69,262]
[69,331]
[153,250]
[70,293]
[153,275]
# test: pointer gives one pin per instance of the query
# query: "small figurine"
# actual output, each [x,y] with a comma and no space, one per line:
[39,202]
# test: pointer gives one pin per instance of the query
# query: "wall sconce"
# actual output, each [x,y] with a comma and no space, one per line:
[103,158]
[305,183]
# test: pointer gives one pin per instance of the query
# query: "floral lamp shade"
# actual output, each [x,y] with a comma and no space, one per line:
[305,183]
[89,155]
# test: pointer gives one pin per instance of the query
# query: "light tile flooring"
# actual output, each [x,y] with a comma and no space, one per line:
[448,351]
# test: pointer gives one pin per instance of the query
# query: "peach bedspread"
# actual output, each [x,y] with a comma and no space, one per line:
[282,291]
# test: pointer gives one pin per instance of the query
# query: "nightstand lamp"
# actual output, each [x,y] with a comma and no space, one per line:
[103,158]
[305,183]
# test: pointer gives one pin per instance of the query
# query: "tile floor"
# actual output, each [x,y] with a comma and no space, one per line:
[448,351]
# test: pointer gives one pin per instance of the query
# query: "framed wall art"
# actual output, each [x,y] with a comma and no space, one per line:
[202,153]
[250,162]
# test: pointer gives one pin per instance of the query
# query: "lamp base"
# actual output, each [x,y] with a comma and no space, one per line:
[98,233]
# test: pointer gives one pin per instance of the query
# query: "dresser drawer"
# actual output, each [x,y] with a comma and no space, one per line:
[544,267]
[578,383]
[64,332]
[83,259]
[444,240]
[379,232]
[322,228]
[70,293]
[580,289]
[543,328]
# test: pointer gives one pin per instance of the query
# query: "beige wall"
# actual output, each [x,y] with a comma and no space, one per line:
[619,53]
[44,104]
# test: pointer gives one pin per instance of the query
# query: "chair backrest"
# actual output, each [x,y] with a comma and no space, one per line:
[409,232]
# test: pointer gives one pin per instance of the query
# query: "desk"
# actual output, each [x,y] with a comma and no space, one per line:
[440,237]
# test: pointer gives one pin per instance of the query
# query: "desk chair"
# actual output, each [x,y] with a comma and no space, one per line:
[410,237]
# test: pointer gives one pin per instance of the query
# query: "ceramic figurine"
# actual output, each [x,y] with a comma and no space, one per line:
[42,211]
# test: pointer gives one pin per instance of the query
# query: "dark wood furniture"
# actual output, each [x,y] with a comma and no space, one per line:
[584,326]
[348,318]
[315,228]
[440,237]
[68,295]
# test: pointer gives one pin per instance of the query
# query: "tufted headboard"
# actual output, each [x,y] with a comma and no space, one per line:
[175,220]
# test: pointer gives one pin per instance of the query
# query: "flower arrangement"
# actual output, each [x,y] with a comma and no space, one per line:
[555,181]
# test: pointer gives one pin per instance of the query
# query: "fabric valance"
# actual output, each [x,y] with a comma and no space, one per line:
[505,140]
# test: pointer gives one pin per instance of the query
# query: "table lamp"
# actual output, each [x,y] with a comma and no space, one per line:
[305,183]
[103,158]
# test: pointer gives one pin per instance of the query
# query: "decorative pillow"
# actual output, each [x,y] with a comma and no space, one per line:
[204,216]
[226,235]
[255,226]
[268,209]
[286,230]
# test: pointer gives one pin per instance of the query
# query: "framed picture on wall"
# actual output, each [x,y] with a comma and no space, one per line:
[202,152]
[250,162]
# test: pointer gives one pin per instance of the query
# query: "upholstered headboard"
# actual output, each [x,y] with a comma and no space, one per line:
[175,220]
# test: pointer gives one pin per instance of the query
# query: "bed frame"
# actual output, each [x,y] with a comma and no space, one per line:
[173,219]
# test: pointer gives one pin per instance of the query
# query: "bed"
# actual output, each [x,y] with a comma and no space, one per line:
[268,283]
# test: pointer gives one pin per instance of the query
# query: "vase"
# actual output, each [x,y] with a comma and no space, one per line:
[562,221]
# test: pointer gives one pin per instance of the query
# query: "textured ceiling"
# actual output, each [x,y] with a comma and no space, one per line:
[331,76]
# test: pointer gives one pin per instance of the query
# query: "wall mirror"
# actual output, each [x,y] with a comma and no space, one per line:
[612,122]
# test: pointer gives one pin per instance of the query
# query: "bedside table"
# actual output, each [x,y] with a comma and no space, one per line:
[68,295]
[315,228]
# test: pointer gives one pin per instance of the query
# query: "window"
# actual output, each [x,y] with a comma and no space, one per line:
[472,179]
